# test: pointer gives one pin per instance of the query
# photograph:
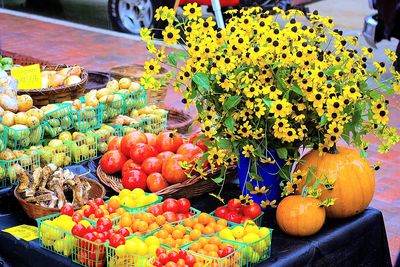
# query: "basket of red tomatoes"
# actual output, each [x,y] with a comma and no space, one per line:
[166,164]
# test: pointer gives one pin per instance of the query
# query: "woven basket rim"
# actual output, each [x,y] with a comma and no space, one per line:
[84,78]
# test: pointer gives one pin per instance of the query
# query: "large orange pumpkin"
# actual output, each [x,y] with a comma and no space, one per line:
[352,178]
[300,216]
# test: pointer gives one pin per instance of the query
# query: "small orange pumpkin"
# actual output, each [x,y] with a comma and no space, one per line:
[300,216]
[352,178]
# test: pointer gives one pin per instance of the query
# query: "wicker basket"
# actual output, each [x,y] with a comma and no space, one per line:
[45,96]
[23,60]
[35,211]
[178,119]
[193,187]
[135,72]
[97,80]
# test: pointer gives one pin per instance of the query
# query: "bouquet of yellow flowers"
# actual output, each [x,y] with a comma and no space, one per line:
[268,82]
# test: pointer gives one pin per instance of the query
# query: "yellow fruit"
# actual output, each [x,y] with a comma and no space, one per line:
[238,231]
[251,227]
[250,238]
[124,193]
[120,251]
[63,217]
[59,245]
[65,136]
[85,223]
[264,231]
[152,241]
[129,202]
[141,248]
[152,249]
[130,247]
[151,198]
[227,234]
[137,192]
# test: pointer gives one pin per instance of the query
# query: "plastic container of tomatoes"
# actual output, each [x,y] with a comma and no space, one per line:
[142,208]
[257,220]
[88,253]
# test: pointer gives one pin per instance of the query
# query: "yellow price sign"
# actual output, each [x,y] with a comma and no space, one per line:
[23,231]
[28,77]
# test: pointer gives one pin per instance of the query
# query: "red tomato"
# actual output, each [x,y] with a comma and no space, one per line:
[83,256]
[123,231]
[131,139]
[140,152]
[233,216]
[79,230]
[87,212]
[221,212]
[199,142]
[228,250]
[157,263]
[173,256]
[244,219]
[77,217]
[152,164]
[190,260]
[181,216]
[134,179]
[155,182]
[170,216]
[151,139]
[99,213]
[165,155]
[160,250]
[168,141]
[117,240]
[172,171]
[99,201]
[252,211]
[170,204]
[156,209]
[189,150]
[115,143]
[90,236]
[130,165]
[106,222]
[67,209]
[234,204]
[112,161]
[183,205]
[163,258]
[91,228]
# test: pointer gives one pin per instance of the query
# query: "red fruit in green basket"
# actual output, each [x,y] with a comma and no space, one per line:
[168,141]
[77,217]
[172,170]
[228,250]
[157,263]
[173,256]
[67,209]
[151,165]
[233,216]
[163,258]
[170,204]
[91,228]
[156,209]
[182,254]
[106,222]
[190,260]
[160,250]
[115,143]
[123,231]
[183,205]
[99,213]
[130,165]
[244,219]
[170,216]
[221,212]
[117,240]
[252,211]
[112,161]
[79,230]
[140,151]
[99,201]
[83,256]
[189,150]
[181,216]
[130,140]
[156,182]
[89,236]
[234,204]
[134,179]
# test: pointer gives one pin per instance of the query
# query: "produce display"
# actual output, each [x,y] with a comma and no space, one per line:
[237,212]
[178,257]
[175,236]
[173,210]
[9,159]
[136,199]
[64,76]
[205,224]
[97,208]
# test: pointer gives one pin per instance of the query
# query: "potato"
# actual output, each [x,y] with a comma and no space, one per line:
[25,102]
[64,71]
[124,83]
[21,118]
[73,79]
[32,121]
[106,98]
[8,103]
[38,113]
[76,70]
[8,119]
[134,87]
[91,100]
[113,85]
[103,92]
[56,80]
[123,91]
[77,104]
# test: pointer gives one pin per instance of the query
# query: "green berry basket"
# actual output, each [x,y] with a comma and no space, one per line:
[103,135]
[156,123]
[124,130]
[83,149]
[87,119]
[3,139]
[142,207]
[19,138]
[116,258]
[257,220]
[27,162]
[134,100]
[257,251]
[53,238]
[3,179]
[112,109]
[58,120]
[233,259]
[59,155]
[88,253]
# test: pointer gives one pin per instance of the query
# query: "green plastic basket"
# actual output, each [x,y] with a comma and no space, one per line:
[124,130]
[156,123]
[256,252]
[141,208]
[53,238]
[83,149]
[27,162]
[132,260]
[134,100]
[104,135]
[184,247]
[231,260]
[24,138]
[3,179]
[58,120]
[88,253]
[257,220]
[3,139]
[112,109]
[87,119]
[59,155]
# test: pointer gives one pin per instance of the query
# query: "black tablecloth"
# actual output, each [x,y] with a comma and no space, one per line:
[358,241]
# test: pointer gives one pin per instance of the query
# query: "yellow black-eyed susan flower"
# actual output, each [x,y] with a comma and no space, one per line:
[192,11]
[171,35]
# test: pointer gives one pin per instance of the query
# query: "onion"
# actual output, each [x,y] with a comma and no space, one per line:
[73,79]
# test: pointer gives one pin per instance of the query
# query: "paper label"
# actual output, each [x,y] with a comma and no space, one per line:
[23,231]
[28,77]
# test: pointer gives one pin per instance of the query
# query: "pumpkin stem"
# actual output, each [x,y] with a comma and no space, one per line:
[333,150]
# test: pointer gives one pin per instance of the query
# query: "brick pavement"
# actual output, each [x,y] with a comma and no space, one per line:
[97,51]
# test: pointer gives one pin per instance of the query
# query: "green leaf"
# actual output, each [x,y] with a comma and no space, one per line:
[374,94]
[224,143]
[297,90]
[249,186]
[282,152]
[182,55]
[230,124]
[363,154]
[232,102]
[280,83]
[172,58]
[309,175]
[218,180]
[199,107]
[323,121]
[201,80]
[256,177]
[237,71]
[267,102]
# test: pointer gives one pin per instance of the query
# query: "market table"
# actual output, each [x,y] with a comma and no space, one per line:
[358,241]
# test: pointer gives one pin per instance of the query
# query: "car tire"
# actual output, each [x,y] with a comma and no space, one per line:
[131,18]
